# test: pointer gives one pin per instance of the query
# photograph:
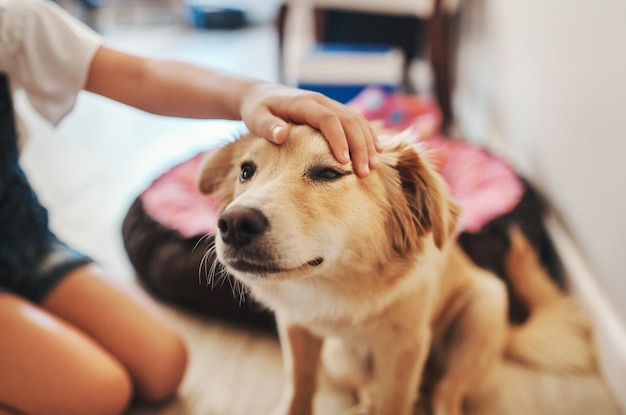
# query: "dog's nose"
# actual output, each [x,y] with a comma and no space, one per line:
[240,225]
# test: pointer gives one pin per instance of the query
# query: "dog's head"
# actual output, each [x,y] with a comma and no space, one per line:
[293,211]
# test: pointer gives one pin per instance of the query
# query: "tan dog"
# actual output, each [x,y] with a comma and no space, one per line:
[367,265]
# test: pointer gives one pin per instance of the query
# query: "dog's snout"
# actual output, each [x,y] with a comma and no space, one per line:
[239,226]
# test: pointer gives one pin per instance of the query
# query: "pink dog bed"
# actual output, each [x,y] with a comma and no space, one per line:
[170,225]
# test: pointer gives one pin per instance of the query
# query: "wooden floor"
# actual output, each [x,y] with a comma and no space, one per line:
[90,168]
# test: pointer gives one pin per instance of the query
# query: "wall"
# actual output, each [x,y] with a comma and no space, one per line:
[544,82]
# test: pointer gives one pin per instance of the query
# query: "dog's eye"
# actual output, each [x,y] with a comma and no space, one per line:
[325,174]
[247,171]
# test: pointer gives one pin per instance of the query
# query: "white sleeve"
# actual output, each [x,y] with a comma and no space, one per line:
[46,52]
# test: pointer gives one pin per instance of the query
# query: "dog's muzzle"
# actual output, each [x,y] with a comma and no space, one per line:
[239,229]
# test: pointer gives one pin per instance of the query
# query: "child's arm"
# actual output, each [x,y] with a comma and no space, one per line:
[173,88]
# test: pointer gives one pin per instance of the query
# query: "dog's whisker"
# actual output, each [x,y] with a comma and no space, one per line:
[243,291]
[204,265]
[201,267]
[212,271]
[210,266]
[204,260]
[216,275]
[203,238]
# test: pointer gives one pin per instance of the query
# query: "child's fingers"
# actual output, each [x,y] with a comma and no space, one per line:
[348,133]
[350,142]
[360,135]
[370,139]
[270,127]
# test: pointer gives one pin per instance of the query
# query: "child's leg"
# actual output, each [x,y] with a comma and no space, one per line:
[48,366]
[128,324]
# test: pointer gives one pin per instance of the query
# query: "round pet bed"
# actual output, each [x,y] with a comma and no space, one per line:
[170,226]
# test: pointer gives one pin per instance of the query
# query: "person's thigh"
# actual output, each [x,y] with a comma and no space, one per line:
[126,322]
[48,366]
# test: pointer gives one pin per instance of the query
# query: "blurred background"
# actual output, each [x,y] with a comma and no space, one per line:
[540,83]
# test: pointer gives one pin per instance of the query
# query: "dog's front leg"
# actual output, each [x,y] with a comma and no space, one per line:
[398,366]
[301,354]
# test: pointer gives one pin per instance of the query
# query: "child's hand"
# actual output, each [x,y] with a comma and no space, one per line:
[267,108]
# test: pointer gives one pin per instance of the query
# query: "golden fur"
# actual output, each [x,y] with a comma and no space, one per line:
[368,270]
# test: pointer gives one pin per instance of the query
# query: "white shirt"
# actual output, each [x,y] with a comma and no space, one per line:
[45,52]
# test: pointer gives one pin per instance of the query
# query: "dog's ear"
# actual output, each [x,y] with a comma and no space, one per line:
[218,171]
[424,204]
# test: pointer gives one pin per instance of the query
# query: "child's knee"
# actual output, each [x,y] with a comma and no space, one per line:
[108,391]
[165,372]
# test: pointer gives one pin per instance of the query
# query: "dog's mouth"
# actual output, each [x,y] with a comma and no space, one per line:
[267,267]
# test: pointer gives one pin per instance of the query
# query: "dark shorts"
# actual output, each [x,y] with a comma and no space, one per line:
[32,259]
[36,280]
